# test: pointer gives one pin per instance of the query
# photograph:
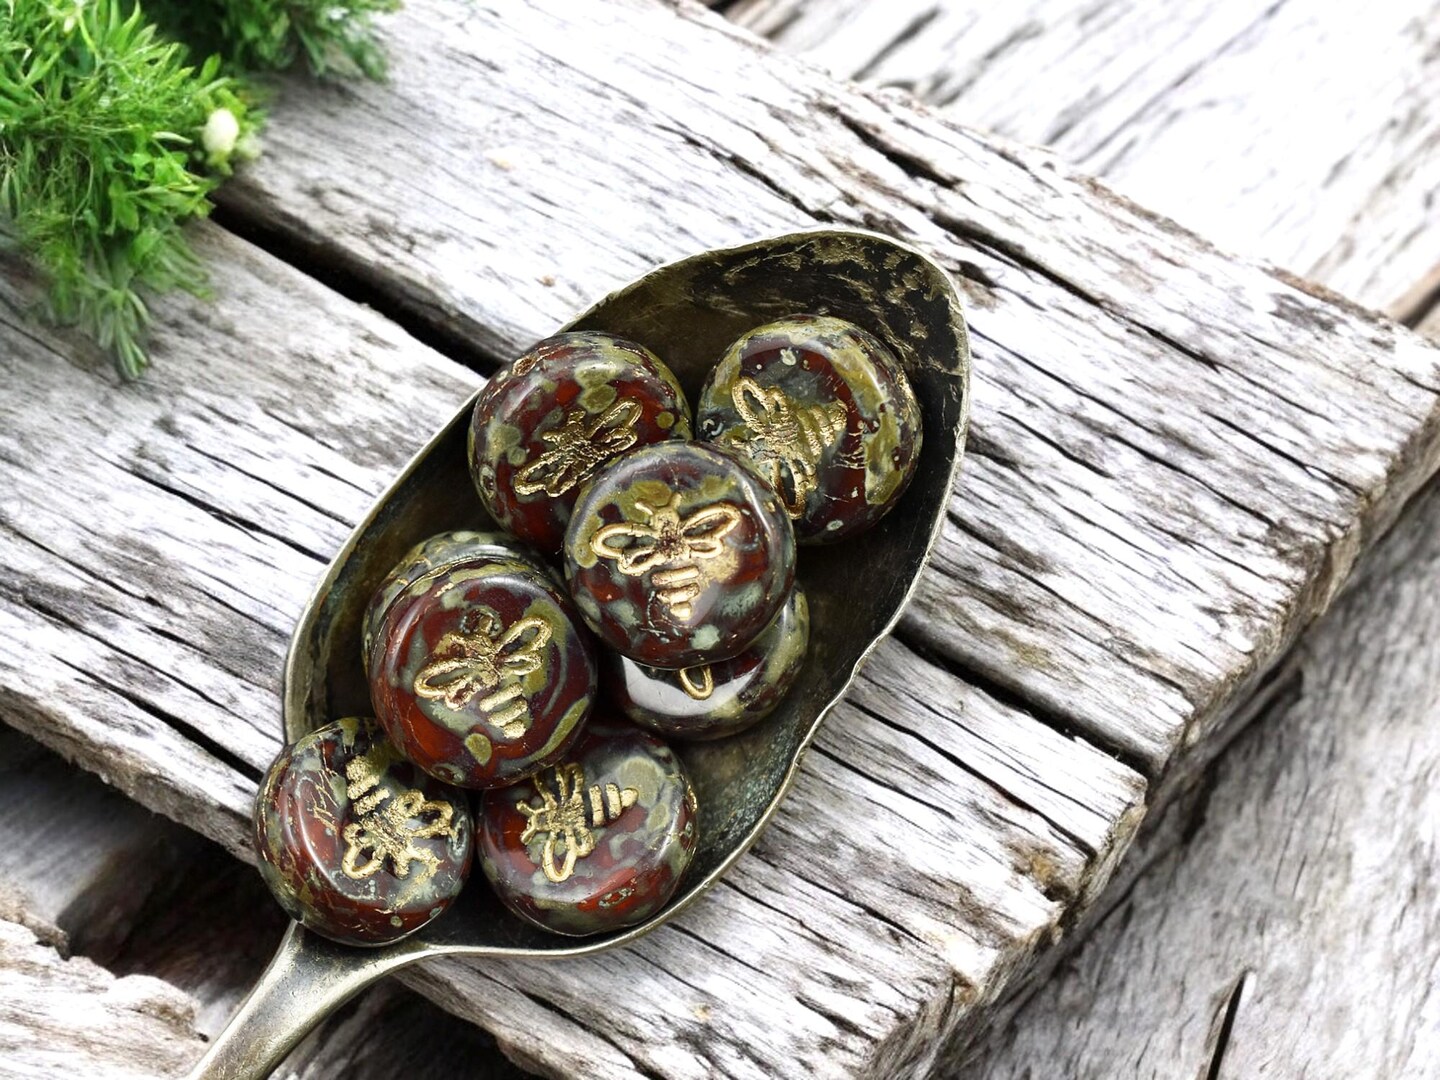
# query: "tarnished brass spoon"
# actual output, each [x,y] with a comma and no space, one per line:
[687,312]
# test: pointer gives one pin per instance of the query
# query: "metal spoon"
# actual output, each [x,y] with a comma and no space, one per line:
[688,312]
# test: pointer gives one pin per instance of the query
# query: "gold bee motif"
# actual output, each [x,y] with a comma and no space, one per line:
[384,830]
[578,446]
[485,656]
[698,682]
[675,546]
[564,819]
[786,441]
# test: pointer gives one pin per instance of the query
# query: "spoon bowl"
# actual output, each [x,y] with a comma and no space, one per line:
[687,312]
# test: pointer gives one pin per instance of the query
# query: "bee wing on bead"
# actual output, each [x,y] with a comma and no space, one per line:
[639,552]
[756,405]
[704,529]
[453,681]
[615,430]
[520,646]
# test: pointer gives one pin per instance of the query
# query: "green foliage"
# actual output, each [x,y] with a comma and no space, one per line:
[333,35]
[108,142]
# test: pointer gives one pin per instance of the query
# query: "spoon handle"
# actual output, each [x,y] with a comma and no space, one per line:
[307,979]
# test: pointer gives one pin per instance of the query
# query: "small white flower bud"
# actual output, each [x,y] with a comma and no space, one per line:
[221,132]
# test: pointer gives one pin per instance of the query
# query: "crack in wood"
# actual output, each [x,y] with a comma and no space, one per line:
[1227,1026]
[215,749]
[349,279]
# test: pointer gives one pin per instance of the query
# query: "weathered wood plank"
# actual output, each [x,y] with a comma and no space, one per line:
[1178,458]
[1302,135]
[144,619]
[99,675]
[61,1017]
[1206,574]
[1306,883]
[390,1032]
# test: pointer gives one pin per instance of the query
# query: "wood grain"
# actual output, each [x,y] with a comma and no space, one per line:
[61,1016]
[1301,899]
[1177,459]
[1308,136]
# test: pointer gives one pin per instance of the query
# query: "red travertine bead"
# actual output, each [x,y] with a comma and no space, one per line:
[482,672]
[542,427]
[435,553]
[712,701]
[356,842]
[597,841]
[823,410]
[677,555]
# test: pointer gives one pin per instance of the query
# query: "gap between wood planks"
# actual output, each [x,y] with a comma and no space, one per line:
[1291,884]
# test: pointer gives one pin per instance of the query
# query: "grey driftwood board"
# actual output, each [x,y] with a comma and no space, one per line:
[1306,134]
[1291,931]
[72,1017]
[1178,459]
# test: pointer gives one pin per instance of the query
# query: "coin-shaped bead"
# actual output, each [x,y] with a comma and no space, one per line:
[679,555]
[712,701]
[356,842]
[441,550]
[597,841]
[482,672]
[824,411]
[545,425]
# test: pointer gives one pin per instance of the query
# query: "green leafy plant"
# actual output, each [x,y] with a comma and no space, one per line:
[109,141]
[333,35]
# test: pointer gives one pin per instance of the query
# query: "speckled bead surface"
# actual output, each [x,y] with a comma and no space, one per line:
[545,425]
[679,555]
[712,701]
[482,672]
[442,550]
[356,842]
[825,413]
[598,841]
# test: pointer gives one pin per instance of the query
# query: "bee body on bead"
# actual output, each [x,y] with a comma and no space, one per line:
[577,447]
[674,548]
[563,819]
[484,655]
[787,440]
[384,830]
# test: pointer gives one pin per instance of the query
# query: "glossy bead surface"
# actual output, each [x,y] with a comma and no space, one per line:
[441,550]
[356,842]
[545,425]
[482,672]
[714,700]
[597,842]
[825,413]
[679,555]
